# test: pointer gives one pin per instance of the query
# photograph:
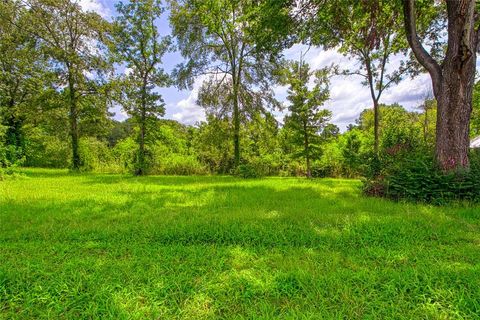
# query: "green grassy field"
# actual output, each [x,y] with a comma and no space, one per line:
[118,247]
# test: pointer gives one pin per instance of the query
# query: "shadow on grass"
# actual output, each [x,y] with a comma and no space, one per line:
[214,247]
[158,180]
[230,215]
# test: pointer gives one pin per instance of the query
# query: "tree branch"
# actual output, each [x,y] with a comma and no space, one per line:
[419,51]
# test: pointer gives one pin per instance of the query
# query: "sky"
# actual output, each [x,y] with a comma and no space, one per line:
[348,97]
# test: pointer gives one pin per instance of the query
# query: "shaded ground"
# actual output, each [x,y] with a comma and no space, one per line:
[109,246]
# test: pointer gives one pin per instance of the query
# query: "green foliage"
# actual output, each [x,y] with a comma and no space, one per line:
[3,148]
[475,120]
[46,150]
[416,178]
[306,121]
[322,170]
[22,69]
[213,144]
[247,171]
[222,41]
[178,164]
[351,153]
[138,45]
[124,154]
[96,156]
[73,40]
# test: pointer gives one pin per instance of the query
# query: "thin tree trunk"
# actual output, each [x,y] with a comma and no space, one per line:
[74,133]
[141,165]
[236,125]
[376,124]
[376,110]
[306,146]
[425,124]
[141,149]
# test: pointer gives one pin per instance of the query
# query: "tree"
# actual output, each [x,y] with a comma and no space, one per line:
[21,71]
[227,41]
[367,31]
[452,79]
[428,115]
[351,154]
[213,144]
[306,119]
[139,46]
[72,39]
[400,130]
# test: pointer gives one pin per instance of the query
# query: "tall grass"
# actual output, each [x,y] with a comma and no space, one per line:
[91,246]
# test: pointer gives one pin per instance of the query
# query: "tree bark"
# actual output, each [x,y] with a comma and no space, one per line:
[452,81]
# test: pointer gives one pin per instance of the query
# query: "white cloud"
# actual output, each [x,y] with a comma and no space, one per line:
[348,97]
[188,110]
[119,113]
[97,6]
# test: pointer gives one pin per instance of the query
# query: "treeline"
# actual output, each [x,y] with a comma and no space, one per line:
[207,148]
[62,69]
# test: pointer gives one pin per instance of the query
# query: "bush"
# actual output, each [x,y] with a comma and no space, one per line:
[178,164]
[124,154]
[47,151]
[247,171]
[322,170]
[3,157]
[96,156]
[268,165]
[417,179]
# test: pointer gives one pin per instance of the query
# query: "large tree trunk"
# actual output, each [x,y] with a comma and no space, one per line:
[74,133]
[453,120]
[452,80]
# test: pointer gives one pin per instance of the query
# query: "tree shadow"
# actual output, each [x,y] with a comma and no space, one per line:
[216,248]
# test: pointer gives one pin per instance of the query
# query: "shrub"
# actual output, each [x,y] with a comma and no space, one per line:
[178,164]
[247,171]
[417,179]
[3,157]
[124,154]
[322,170]
[267,165]
[48,151]
[96,156]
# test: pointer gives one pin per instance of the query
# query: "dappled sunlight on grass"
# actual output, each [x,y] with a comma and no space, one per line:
[112,246]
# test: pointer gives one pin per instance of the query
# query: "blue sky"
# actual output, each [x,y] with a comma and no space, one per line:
[347,95]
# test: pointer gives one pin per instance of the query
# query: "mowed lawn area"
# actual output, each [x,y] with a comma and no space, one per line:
[92,246]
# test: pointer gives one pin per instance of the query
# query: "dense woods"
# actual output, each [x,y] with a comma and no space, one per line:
[64,69]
